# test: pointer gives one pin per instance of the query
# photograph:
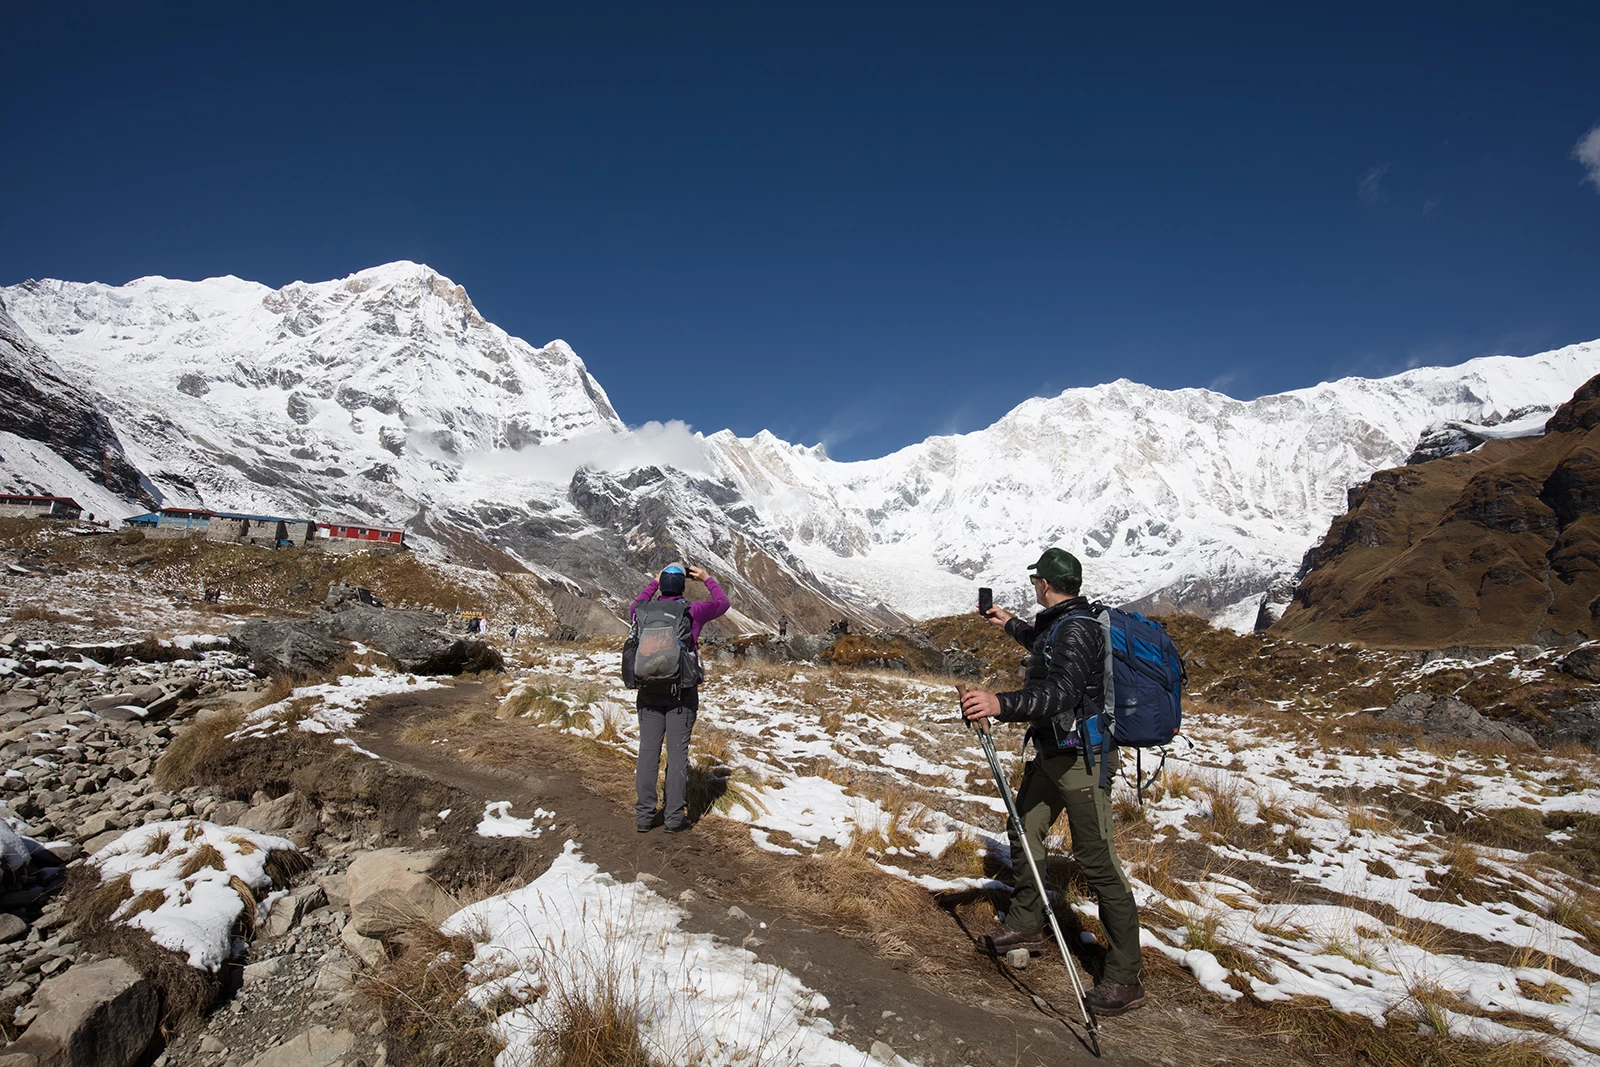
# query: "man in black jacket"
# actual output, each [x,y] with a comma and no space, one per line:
[1066,668]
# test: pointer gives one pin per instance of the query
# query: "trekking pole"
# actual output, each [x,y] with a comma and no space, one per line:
[1089,1020]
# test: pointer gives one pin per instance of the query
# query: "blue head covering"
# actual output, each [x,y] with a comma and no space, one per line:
[672,581]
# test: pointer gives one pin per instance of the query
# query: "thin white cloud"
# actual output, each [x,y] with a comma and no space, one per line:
[670,444]
[1587,152]
[1370,188]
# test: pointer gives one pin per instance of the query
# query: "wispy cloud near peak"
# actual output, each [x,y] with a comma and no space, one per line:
[1587,152]
[1370,188]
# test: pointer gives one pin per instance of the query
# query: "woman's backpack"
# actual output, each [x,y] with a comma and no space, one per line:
[657,655]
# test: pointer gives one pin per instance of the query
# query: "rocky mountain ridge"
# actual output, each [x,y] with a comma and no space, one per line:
[1493,548]
[386,397]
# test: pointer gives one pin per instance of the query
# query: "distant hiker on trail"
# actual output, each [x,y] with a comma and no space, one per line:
[668,707]
[511,635]
[783,625]
[1062,672]
[844,626]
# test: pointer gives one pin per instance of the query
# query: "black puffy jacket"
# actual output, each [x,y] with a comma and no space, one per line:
[1076,669]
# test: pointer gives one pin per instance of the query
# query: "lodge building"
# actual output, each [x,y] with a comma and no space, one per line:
[17,505]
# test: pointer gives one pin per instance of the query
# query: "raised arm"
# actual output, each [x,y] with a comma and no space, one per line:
[644,594]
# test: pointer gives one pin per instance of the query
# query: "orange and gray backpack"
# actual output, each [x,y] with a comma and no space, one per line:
[658,655]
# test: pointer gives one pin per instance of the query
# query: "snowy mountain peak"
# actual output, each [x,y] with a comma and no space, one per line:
[386,395]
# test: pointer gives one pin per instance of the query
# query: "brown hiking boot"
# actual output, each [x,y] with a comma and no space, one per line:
[1003,939]
[1112,998]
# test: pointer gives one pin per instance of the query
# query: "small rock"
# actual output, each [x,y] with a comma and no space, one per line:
[273,815]
[368,949]
[738,914]
[317,1047]
[260,972]
[211,1045]
[12,927]
[882,1052]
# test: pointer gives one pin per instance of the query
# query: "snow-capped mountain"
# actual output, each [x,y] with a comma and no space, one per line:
[386,397]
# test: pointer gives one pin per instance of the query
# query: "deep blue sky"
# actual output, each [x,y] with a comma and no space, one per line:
[855,223]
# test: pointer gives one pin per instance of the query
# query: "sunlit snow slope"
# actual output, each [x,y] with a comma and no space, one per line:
[386,396]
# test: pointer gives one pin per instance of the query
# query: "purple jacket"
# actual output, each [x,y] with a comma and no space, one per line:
[700,611]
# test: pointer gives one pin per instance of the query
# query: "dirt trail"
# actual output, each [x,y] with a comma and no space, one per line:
[966,1011]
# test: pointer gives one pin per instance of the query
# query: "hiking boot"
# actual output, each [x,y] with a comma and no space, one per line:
[1112,998]
[644,827]
[677,828]
[1003,939]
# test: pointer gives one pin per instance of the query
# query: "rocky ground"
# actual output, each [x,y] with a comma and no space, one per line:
[373,773]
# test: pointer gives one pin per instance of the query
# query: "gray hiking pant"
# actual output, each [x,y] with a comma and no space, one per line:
[674,726]
[1050,785]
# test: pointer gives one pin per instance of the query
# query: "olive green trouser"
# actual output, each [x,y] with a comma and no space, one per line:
[1049,785]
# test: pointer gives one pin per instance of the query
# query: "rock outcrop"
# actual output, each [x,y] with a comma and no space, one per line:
[1490,549]
[1442,716]
[39,402]
[417,641]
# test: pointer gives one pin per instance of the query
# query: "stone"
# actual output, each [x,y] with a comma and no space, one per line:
[101,705]
[298,648]
[368,950]
[287,911]
[95,1015]
[123,713]
[337,889]
[145,695]
[393,888]
[317,1047]
[1580,663]
[229,812]
[100,841]
[99,823]
[279,814]
[211,1045]
[1442,716]
[162,706]
[12,927]
[883,1052]
[260,972]
[18,700]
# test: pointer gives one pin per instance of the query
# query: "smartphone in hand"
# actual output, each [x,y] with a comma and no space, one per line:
[985,600]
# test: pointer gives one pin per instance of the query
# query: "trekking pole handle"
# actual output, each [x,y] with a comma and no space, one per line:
[980,725]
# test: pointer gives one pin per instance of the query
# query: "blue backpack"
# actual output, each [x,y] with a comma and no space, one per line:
[1144,677]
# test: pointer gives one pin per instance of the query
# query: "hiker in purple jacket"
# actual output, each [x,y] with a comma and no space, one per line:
[667,716]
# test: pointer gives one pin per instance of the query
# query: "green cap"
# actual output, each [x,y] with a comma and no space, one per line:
[1057,565]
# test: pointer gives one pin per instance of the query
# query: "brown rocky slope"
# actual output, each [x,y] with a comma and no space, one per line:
[1493,548]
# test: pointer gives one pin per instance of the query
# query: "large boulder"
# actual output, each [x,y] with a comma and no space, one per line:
[95,1015]
[297,648]
[1579,723]
[1442,716]
[393,888]
[413,639]
[1582,663]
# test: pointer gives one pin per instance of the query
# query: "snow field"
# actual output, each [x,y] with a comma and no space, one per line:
[576,935]
[1424,927]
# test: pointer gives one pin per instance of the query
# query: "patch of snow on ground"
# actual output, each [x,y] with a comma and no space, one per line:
[332,707]
[499,822]
[577,932]
[196,913]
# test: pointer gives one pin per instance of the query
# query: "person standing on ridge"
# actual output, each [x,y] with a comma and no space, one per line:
[1066,670]
[670,716]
